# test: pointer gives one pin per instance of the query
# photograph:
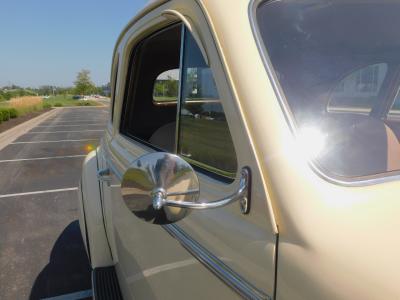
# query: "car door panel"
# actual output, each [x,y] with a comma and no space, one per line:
[158,262]
[151,263]
[240,241]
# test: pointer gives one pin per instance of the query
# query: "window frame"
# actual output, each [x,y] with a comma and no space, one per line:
[129,86]
[114,87]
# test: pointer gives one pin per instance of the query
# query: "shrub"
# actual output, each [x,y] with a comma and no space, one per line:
[7,95]
[23,105]
[5,114]
[86,103]
[13,113]
[47,105]
[58,104]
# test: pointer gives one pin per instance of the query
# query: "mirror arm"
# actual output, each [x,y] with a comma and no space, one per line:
[189,192]
[160,199]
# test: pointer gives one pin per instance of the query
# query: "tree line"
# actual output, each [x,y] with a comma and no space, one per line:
[83,85]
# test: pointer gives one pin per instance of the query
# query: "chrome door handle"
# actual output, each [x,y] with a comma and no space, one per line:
[104,175]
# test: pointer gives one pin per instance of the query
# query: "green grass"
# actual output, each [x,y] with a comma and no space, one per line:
[209,144]
[61,101]
[164,99]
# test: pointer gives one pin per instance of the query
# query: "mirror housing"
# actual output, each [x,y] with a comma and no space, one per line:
[162,188]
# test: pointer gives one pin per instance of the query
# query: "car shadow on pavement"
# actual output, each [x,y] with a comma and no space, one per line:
[68,270]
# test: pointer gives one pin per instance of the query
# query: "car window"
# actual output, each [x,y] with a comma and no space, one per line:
[350,67]
[152,97]
[204,136]
[166,87]
[359,91]
[151,62]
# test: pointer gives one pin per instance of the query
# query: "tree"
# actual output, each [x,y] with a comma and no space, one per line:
[83,83]
[172,87]
[45,90]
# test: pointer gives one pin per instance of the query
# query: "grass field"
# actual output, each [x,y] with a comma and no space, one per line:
[164,99]
[21,106]
[24,105]
[61,100]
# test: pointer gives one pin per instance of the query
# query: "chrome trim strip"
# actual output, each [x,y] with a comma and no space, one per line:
[114,80]
[179,100]
[174,14]
[215,265]
[324,174]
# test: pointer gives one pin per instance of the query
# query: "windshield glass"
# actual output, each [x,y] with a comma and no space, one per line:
[337,63]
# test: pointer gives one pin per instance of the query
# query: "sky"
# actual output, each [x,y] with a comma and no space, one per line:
[47,42]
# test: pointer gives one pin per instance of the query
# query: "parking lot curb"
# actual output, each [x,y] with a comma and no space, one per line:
[12,134]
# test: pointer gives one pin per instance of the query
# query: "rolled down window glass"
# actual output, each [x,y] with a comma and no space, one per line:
[338,66]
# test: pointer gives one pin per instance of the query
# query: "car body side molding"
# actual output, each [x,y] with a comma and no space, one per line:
[216,265]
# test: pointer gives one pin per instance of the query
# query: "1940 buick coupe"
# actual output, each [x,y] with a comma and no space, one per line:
[252,151]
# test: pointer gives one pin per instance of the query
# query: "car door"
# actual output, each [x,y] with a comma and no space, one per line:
[214,254]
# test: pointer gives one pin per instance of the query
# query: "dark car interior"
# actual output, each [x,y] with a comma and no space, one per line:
[156,54]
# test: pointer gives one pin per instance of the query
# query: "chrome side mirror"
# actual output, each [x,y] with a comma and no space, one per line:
[162,188]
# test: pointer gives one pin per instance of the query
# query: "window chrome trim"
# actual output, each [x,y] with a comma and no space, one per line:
[174,14]
[324,174]
[113,89]
[180,85]
[215,265]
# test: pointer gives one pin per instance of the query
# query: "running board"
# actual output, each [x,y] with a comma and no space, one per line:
[105,284]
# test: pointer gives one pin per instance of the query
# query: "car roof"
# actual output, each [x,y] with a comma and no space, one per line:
[153,4]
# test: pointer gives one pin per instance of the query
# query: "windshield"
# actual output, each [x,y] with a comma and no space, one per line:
[338,65]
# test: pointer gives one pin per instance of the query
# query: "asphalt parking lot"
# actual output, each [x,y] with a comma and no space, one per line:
[41,250]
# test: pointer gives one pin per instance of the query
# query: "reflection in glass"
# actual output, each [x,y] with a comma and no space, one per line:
[158,171]
[166,87]
[338,65]
[204,138]
[395,109]
[358,91]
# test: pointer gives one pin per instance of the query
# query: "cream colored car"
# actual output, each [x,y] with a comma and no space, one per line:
[252,152]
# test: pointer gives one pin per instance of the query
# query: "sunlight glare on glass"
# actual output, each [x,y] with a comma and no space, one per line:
[311,141]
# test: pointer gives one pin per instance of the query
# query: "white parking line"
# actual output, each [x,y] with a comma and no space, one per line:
[72,296]
[39,192]
[57,141]
[102,121]
[41,158]
[79,119]
[86,130]
[94,124]
[74,115]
